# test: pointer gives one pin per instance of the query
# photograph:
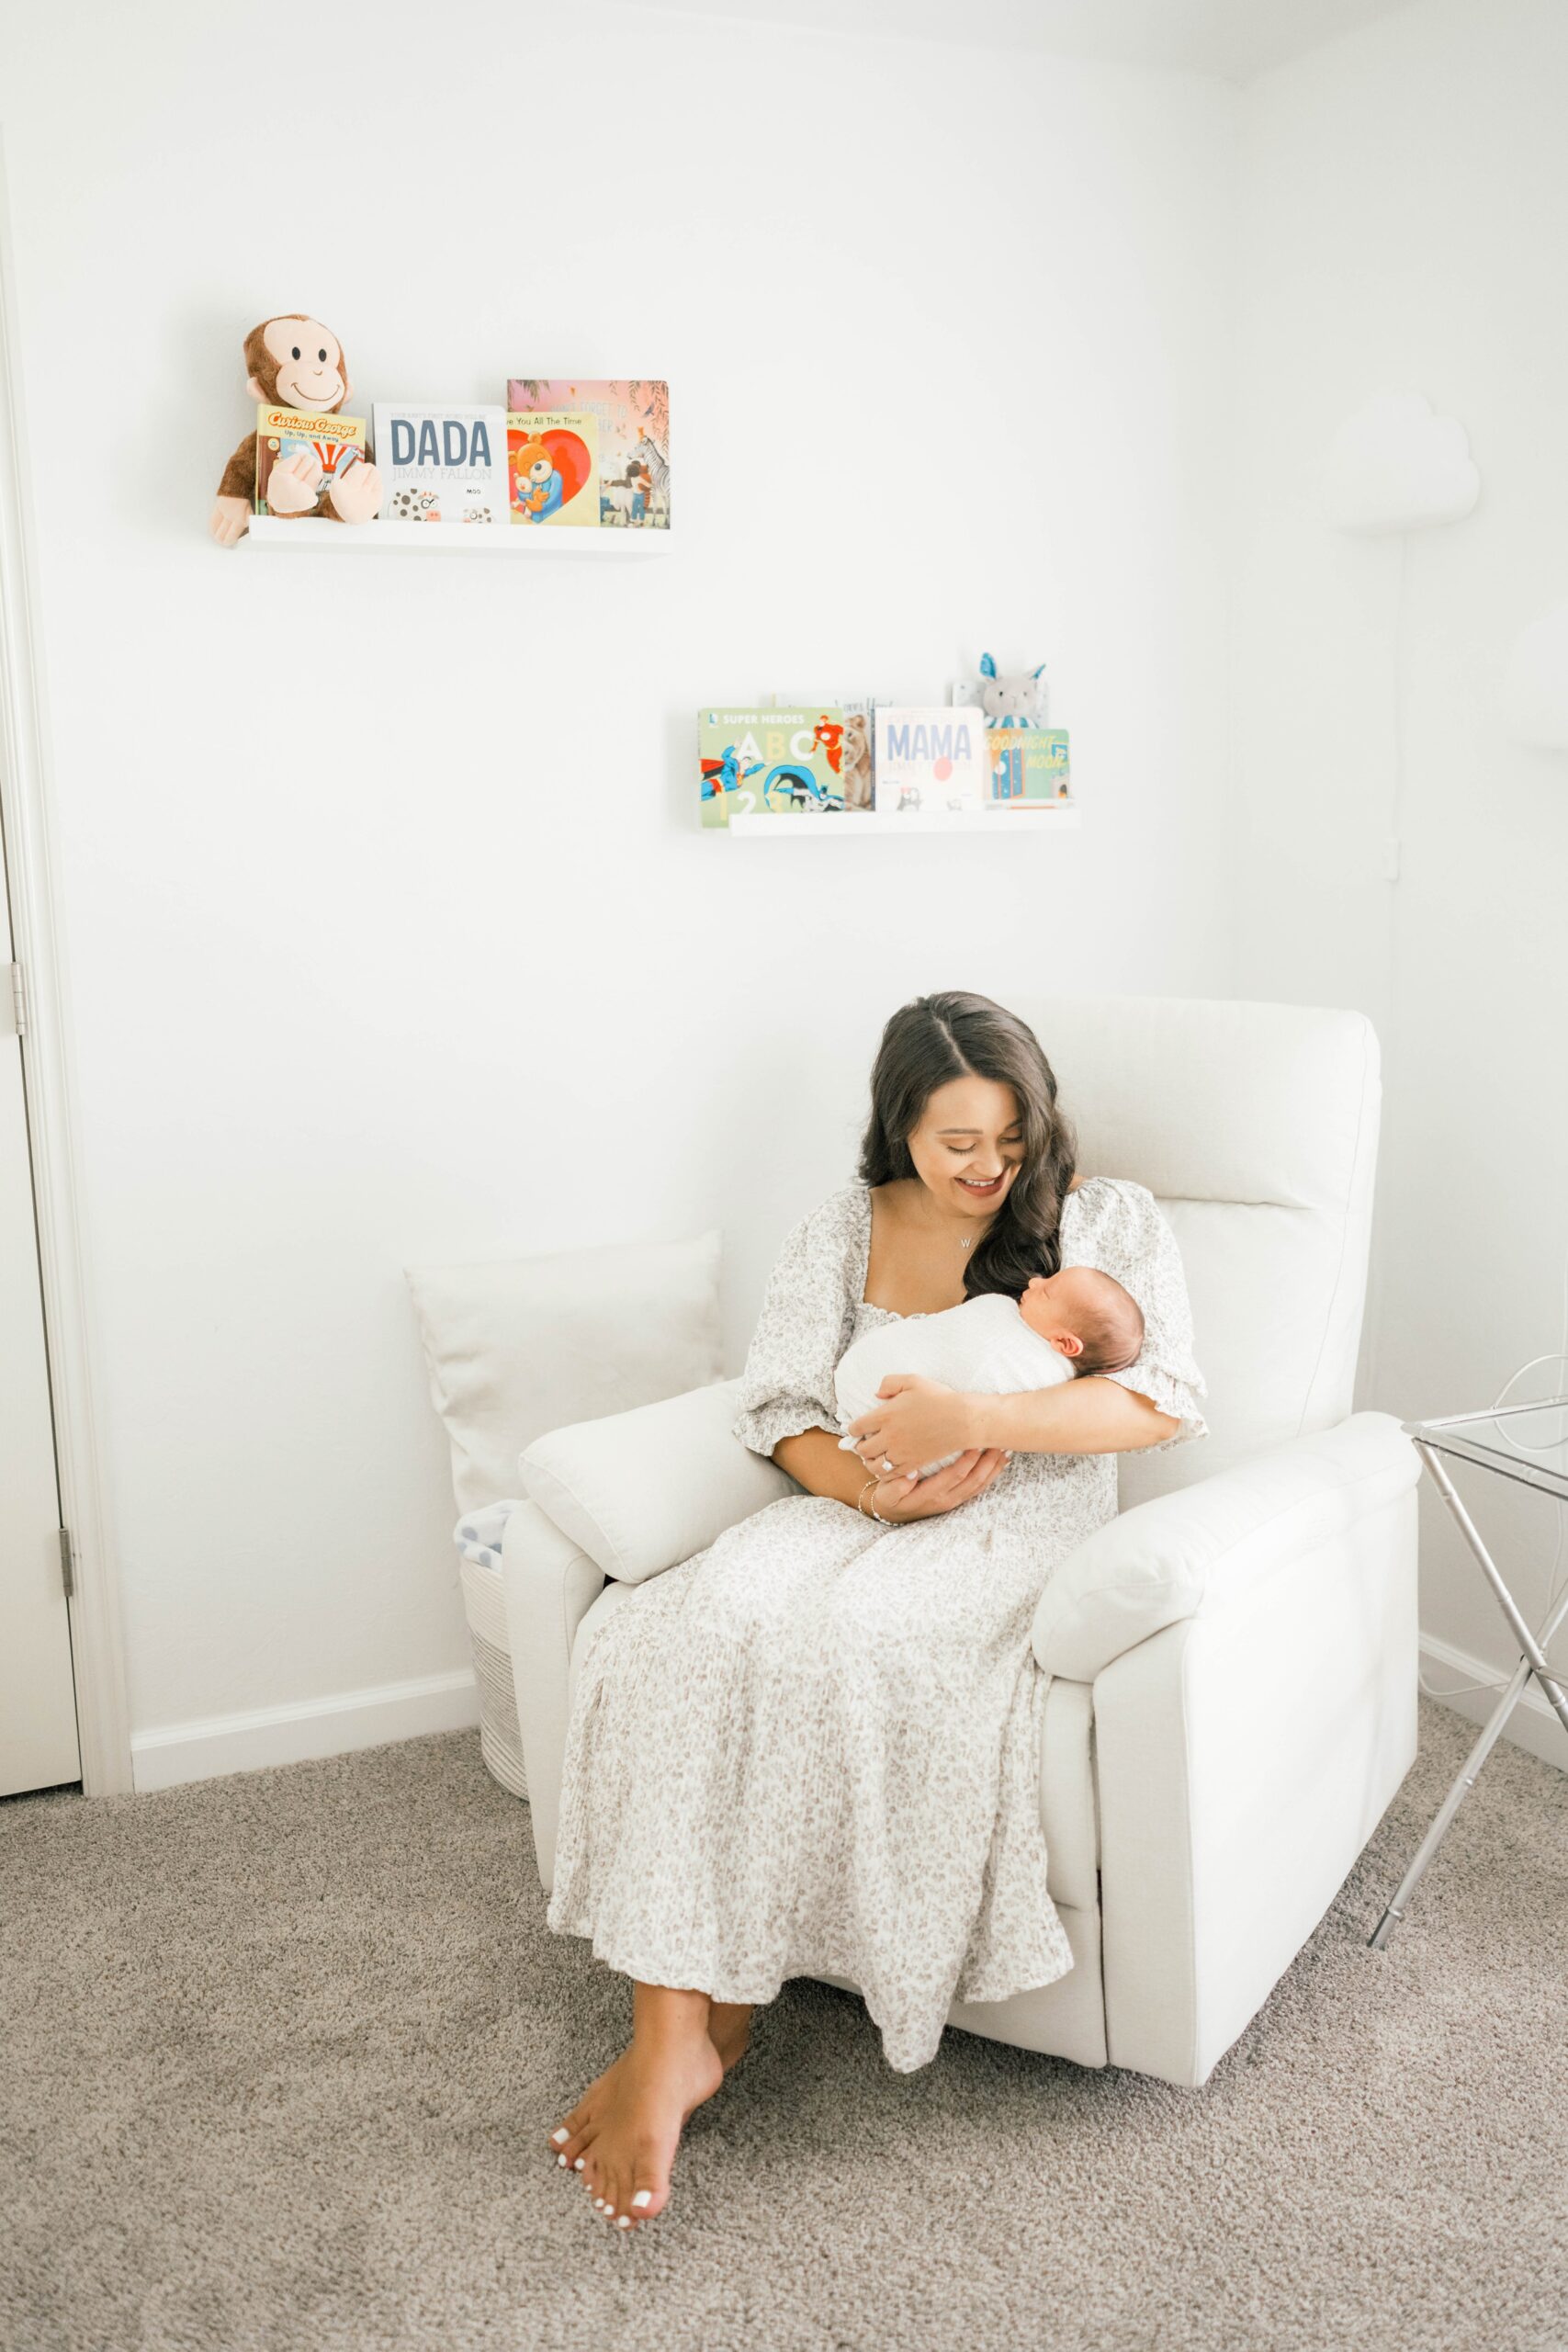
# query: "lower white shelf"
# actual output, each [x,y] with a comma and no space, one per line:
[315,534]
[852,825]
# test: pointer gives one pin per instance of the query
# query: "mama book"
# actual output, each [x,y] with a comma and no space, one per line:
[930,761]
[774,762]
[632,417]
[441,465]
[332,443]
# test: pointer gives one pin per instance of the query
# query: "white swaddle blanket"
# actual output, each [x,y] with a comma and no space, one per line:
[985,1346]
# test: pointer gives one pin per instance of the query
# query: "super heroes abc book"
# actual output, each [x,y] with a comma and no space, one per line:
[332,443]
[770,762]
[441,465]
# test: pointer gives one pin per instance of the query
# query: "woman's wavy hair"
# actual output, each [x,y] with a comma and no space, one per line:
[955,1035]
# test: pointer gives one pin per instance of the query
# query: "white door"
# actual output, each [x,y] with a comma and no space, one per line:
[38,1697]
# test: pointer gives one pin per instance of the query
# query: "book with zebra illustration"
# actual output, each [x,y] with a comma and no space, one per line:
[772,762]
[633,418]
[329,445]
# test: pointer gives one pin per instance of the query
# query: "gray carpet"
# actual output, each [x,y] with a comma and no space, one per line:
[279,2051]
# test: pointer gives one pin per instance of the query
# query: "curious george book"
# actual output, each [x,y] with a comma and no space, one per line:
[332,443]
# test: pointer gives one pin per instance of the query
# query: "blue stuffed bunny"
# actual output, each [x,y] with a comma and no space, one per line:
[1020,699]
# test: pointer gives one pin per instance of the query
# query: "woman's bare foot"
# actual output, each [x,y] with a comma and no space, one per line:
[729,2029]
[621,2137]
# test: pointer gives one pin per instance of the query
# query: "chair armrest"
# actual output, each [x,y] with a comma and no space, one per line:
[1201,1546]
[641,1491]
[548,1585]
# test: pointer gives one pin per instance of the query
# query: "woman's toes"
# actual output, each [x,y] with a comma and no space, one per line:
[647,2199]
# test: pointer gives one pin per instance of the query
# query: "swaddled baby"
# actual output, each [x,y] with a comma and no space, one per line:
[1065,1327]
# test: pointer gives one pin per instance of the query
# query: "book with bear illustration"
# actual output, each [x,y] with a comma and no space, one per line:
[441,465]
[552,467]
[632,420]
[333,445]
[770,762]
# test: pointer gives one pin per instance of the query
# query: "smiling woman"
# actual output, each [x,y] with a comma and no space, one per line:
[813,1749]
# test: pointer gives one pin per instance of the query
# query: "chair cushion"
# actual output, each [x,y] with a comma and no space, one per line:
[1255,1126]
[516,1346]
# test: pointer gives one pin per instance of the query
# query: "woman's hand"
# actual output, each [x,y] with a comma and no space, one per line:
[904,1499]
[915,1422]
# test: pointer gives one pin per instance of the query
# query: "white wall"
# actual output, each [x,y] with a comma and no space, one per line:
[390,937]
[1405,210]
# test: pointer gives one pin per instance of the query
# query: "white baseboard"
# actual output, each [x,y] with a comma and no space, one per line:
[287,1735]
[1532,1725]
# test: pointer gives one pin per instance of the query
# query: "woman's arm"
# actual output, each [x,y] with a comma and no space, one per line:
[816,1461]
[916,1419]
[1087,1416]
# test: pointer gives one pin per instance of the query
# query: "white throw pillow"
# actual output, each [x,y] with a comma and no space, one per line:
[522,1345]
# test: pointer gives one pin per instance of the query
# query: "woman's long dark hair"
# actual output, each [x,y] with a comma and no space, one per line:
[955,1035]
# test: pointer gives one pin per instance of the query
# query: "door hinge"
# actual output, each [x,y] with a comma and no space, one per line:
[66,1577]
[19,1000]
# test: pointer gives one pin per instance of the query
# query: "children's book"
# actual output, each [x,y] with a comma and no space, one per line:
[776,763]
[552,461]
[852,755]
[441,465]
[633,415]
[930,760]
[1027,767]
[331,443]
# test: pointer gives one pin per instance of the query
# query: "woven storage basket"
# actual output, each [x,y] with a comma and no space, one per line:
[499,1742]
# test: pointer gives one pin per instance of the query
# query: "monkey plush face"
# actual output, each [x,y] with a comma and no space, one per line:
[295,362]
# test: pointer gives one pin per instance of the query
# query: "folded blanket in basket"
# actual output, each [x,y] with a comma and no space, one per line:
[479,1532]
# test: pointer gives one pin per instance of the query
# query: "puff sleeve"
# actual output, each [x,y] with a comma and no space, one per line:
[805,1324]
[1123,1229]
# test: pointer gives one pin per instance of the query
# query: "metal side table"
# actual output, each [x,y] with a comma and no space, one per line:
[1504,1442]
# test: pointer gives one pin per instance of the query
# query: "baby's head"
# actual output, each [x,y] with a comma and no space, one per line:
[1088,1316]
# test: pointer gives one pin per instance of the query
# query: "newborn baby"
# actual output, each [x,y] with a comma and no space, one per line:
[1065,1327]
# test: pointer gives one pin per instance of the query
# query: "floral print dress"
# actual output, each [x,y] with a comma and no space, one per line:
[814,1749]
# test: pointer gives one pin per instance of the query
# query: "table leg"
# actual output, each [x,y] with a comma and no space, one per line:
[1532,1662]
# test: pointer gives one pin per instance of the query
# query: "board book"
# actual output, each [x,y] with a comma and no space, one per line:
[552,464]
[930,760]
[441,465]
[769,763]
[1027,767]
[632,414]
[335,442]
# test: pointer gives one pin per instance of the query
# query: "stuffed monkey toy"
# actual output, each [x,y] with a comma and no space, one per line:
[293,361]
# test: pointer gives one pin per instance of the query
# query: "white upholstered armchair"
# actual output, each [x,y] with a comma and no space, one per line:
[1232,1659]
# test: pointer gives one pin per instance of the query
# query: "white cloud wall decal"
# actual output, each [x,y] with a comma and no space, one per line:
[1535,682]
[1396,465]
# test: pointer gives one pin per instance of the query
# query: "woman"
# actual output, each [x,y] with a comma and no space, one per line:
[813,1747]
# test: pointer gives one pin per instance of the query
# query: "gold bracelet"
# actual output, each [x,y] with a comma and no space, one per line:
[860,1501]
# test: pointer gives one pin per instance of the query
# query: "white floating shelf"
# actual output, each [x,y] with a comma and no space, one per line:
[848,825]
[317,536]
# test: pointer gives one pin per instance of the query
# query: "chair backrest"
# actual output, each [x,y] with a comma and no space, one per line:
[1256,1127]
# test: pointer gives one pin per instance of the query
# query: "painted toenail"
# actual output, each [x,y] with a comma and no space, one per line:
[577,2165]
[623,2220]
[560,2160]
[643,2197]
[562,2135]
